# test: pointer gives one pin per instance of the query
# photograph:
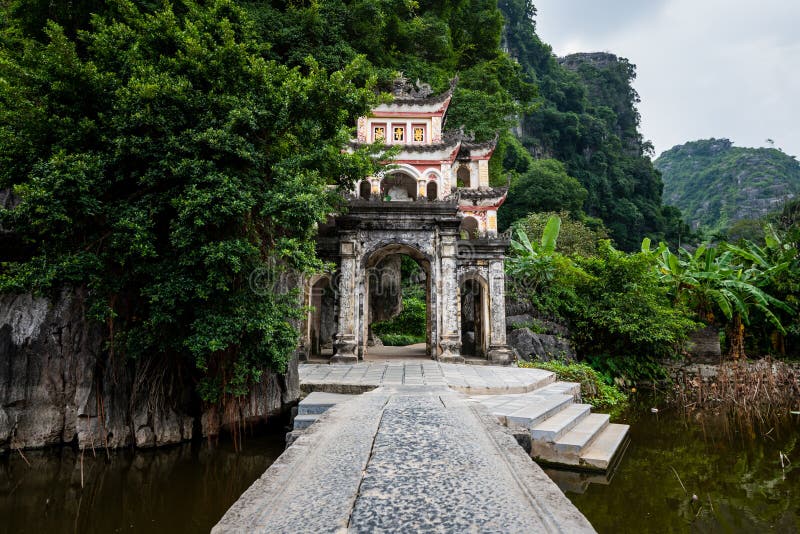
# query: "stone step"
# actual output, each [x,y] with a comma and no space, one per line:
[301,422]
[600,453]
[562,388]
[537,409]
[560,423]
[573,442]
[318,402]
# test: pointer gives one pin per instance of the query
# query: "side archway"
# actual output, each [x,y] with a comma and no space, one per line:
[475,318]
[432,191]
[469,228]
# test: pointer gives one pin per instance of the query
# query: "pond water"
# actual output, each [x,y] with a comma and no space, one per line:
[738,480]
[186,488]
[736,477]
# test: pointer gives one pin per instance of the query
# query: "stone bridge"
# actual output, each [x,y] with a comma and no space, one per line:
[417,446]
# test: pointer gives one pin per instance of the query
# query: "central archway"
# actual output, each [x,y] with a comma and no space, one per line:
[397,283]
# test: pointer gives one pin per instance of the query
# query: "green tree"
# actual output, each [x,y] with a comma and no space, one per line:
[160,160]
[544,187]
[575,237]
[620,315]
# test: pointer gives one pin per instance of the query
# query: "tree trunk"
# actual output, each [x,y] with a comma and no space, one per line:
[737,338]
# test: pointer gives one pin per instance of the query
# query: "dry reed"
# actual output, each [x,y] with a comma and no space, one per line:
[752,395]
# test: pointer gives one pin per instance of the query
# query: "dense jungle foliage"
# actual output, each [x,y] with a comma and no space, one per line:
[586,118]
[159,157]
[627,311]
[724,189]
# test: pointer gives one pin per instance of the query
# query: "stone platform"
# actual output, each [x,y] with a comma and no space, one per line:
[405,458]
[469,379]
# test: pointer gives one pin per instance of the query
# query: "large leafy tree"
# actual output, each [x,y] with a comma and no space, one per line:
[544,187]
[159,159]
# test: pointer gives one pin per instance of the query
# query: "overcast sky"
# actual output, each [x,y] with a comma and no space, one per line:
[706,68]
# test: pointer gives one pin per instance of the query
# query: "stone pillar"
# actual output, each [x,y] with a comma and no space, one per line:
[450,335]
[499,352]
[346,341]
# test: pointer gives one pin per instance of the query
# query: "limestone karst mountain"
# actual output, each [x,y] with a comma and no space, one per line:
[716,184]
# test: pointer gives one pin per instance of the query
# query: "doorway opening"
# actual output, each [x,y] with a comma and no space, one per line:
[474,318]
[321,301]
[398,304]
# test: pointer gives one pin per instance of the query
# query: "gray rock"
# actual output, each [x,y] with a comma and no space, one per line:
[145,437]
[518,320]
[58,384]
[541,347]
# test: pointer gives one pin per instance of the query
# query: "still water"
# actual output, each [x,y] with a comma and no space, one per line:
[180,489]
[736,477]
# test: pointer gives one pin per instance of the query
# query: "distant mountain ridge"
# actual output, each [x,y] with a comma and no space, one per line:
[716,184]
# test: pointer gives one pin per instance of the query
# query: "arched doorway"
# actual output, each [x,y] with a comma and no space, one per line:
[433,191]
[397,305]
[365,190]
[469,228]
[463,177]
[321,318]
[398,187]
[474,317]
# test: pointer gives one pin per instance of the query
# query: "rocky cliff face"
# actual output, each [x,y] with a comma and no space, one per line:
[58,384]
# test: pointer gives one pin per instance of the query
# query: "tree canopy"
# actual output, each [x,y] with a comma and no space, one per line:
[160,158]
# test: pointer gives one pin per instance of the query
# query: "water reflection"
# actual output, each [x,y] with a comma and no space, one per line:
[181,489]
[738,480]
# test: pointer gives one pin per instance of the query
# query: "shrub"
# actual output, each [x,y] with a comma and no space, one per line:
[595,389]
[401,340]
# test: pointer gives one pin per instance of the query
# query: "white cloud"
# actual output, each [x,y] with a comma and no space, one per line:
[706,68]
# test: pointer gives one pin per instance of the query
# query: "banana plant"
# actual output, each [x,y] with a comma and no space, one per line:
[531,264]
[730,282]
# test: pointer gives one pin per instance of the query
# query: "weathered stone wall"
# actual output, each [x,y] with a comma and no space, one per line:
[58,384]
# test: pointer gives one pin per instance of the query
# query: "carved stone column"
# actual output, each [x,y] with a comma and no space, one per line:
[346,341]
[450,335]
[498,349]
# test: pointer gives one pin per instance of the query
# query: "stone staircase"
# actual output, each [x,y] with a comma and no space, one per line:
[314,405]
[562,430]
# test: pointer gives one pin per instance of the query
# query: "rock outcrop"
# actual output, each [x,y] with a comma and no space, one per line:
[540,347]
[535,337]
[59,384]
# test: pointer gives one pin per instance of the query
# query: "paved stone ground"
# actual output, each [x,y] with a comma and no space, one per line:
[470,379]
[388,353]
[404,459]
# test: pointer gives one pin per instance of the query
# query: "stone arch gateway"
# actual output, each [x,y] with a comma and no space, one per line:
[405,215]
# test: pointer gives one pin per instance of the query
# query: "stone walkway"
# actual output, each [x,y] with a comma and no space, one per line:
[405,459]
[470,379]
